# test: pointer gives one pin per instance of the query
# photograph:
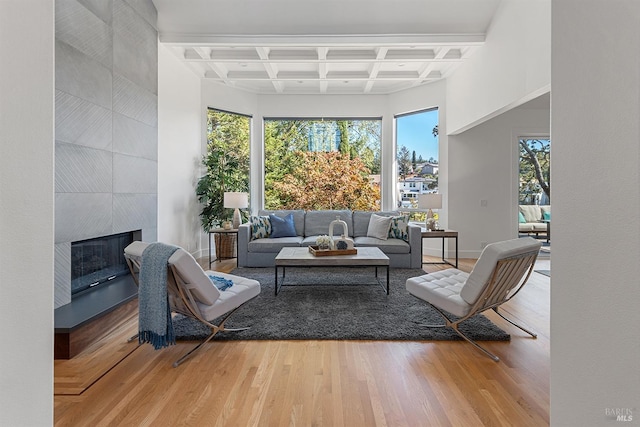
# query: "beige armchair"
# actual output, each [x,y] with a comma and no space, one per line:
[501,271]
[192,293]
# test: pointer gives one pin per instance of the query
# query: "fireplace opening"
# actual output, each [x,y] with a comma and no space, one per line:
[97,261]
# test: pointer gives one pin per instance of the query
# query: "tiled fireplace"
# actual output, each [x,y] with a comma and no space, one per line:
[106,130]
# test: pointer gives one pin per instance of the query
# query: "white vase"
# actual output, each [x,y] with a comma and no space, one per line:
[343,242]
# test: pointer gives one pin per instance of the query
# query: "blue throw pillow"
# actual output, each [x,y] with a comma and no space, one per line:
[546,216]
[282,227]
[521,219]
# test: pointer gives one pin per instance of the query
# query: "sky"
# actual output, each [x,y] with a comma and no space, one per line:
[414,132]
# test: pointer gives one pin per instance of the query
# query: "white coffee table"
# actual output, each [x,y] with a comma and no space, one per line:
[301,257]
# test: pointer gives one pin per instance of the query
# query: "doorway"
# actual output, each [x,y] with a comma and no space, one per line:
[534,189]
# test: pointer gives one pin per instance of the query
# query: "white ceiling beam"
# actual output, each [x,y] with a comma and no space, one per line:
[270,68]
[216,71]
[322,68]
[316,40]
[428,68]
[375,68]
[204,52]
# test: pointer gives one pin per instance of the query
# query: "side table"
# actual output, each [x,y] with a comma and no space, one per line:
[217,235]
[443,234]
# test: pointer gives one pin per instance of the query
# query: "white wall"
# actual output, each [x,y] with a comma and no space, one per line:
[511,68]
[483,166]
[179,152]
[26,212]
[595,296]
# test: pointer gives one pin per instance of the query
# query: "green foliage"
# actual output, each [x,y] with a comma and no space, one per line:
[328,180]
[535,157]
[287,140]
[226,164]
[404,161]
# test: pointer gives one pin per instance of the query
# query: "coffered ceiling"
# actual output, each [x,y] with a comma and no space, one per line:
[324,47]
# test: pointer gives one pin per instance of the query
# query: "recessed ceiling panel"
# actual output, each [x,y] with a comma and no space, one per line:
[293,54]
[382,47]
[345,54]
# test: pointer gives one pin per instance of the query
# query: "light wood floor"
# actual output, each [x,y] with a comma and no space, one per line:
[316,383]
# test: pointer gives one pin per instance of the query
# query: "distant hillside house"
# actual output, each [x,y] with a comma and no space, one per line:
[428,168]
[411,187]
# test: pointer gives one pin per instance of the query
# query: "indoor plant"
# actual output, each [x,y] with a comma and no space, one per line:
[222,174]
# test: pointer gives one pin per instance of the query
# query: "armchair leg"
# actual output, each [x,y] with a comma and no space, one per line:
[183,358]
[454,326]
[214,330]
[534,335]
[475,344]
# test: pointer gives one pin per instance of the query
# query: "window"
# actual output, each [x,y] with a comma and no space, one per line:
[416,155]
[322,163]
[226,162]
[534,178]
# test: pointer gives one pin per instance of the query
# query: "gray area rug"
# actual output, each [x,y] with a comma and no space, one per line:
[333,304]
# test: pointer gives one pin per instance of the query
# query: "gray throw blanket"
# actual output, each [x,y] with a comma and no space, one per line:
[154,313]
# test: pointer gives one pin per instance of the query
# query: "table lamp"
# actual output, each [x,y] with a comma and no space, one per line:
[430,201]
[236,200]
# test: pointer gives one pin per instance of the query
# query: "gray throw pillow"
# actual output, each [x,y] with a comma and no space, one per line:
[379,227]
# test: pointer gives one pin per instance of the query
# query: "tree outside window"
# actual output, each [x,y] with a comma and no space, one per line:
[535,162]
[322,164]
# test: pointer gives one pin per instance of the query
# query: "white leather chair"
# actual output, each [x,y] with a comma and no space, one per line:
[501,271]
[192,293]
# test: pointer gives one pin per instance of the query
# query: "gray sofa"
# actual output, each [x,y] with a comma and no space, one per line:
[310,224]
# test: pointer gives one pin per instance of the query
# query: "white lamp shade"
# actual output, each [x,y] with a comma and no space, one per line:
[430,201]
[236,199]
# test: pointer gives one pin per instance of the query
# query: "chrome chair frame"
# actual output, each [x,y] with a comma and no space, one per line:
[181,300]
[507,279]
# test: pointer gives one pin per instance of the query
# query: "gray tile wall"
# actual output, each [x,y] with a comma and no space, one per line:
[106,125]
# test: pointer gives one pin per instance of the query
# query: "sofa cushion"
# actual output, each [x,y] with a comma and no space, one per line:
[389,246]
[243,289]
[317,222]
[525,227]
[298,217]
[282,227]
[531,213]
[442,288]
[273,245]
[539,226]
[398,228]
[260,227]
[379,227]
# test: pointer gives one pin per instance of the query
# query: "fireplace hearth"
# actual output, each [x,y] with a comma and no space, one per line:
[103,293]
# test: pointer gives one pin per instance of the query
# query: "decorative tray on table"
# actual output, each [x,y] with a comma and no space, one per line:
[316,251]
